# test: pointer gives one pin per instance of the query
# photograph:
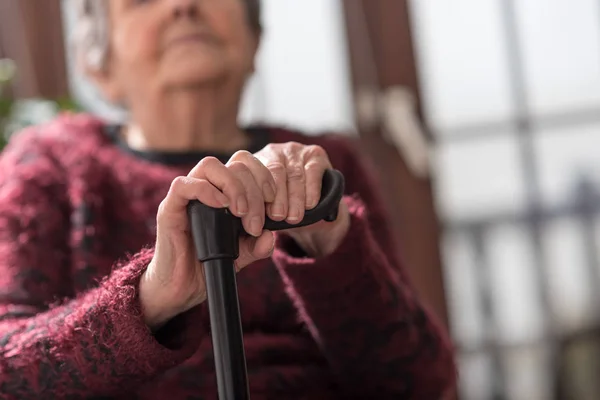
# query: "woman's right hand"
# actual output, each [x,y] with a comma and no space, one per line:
[174,281]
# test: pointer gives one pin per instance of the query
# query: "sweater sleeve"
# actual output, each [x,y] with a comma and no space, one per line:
[54,343]
[361,309]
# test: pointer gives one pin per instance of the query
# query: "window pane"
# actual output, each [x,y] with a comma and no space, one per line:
[565,157]
[476,378]
[462,289]
[462,60]
[479,178]
[517,307]
[528,374]
[560,42]
[568,274]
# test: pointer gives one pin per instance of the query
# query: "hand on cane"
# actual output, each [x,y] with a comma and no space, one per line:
[281,181]
[298,173]
[174,281]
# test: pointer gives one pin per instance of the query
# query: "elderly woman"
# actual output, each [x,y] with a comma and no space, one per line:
[100,292]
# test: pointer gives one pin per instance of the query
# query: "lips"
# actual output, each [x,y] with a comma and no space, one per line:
[190,38]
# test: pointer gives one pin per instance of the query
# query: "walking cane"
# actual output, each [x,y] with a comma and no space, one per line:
[216,234]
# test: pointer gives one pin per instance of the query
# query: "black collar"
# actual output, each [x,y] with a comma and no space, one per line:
[259,136]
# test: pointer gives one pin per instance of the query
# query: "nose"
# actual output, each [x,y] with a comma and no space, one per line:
[184,8]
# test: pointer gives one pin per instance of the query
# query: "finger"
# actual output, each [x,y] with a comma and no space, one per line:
[296,188]
[261,174]
[184,189]
[255,248]
[316,162]
[254,221]
[213,170]
[278,209]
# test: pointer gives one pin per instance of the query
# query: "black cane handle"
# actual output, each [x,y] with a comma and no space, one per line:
[216,231]
[332,191]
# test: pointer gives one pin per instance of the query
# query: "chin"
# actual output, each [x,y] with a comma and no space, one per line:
[195,78]
[193,69]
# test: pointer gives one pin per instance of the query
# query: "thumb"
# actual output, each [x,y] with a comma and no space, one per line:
[255,248]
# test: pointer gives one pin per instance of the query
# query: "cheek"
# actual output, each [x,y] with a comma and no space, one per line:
[246,54]
[135,45]
[228,18]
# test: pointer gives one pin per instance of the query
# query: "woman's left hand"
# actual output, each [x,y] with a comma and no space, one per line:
[296,170]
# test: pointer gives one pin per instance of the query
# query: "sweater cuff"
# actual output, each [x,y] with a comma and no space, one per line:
[146,353]
[350,266]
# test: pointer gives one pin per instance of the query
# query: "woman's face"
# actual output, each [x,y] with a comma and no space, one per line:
[169,45]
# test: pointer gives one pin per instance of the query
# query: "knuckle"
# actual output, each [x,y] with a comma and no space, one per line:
[314,166]
[276,167]
[271,147]
[239,166]
[241,154]
[295,173]
[208,161]
[315,151]
[178,183]
[291,148]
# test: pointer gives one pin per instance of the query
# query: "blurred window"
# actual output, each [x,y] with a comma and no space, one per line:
[511,91]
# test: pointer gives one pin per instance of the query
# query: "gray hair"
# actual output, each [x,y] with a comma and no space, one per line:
[92,30]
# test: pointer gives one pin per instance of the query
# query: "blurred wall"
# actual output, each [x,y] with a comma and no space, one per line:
[302,74]
[31,36]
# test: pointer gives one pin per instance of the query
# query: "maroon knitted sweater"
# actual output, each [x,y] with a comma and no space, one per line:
[77,225]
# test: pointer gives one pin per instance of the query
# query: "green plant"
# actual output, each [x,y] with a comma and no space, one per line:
[16,114]
[7,73]
[5,106]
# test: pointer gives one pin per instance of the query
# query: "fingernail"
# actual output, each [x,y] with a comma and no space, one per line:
[268,191]
[277,210]
[310,202]
[256,226]
[294,215]
[272,244]
[223,200]
[242,206]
